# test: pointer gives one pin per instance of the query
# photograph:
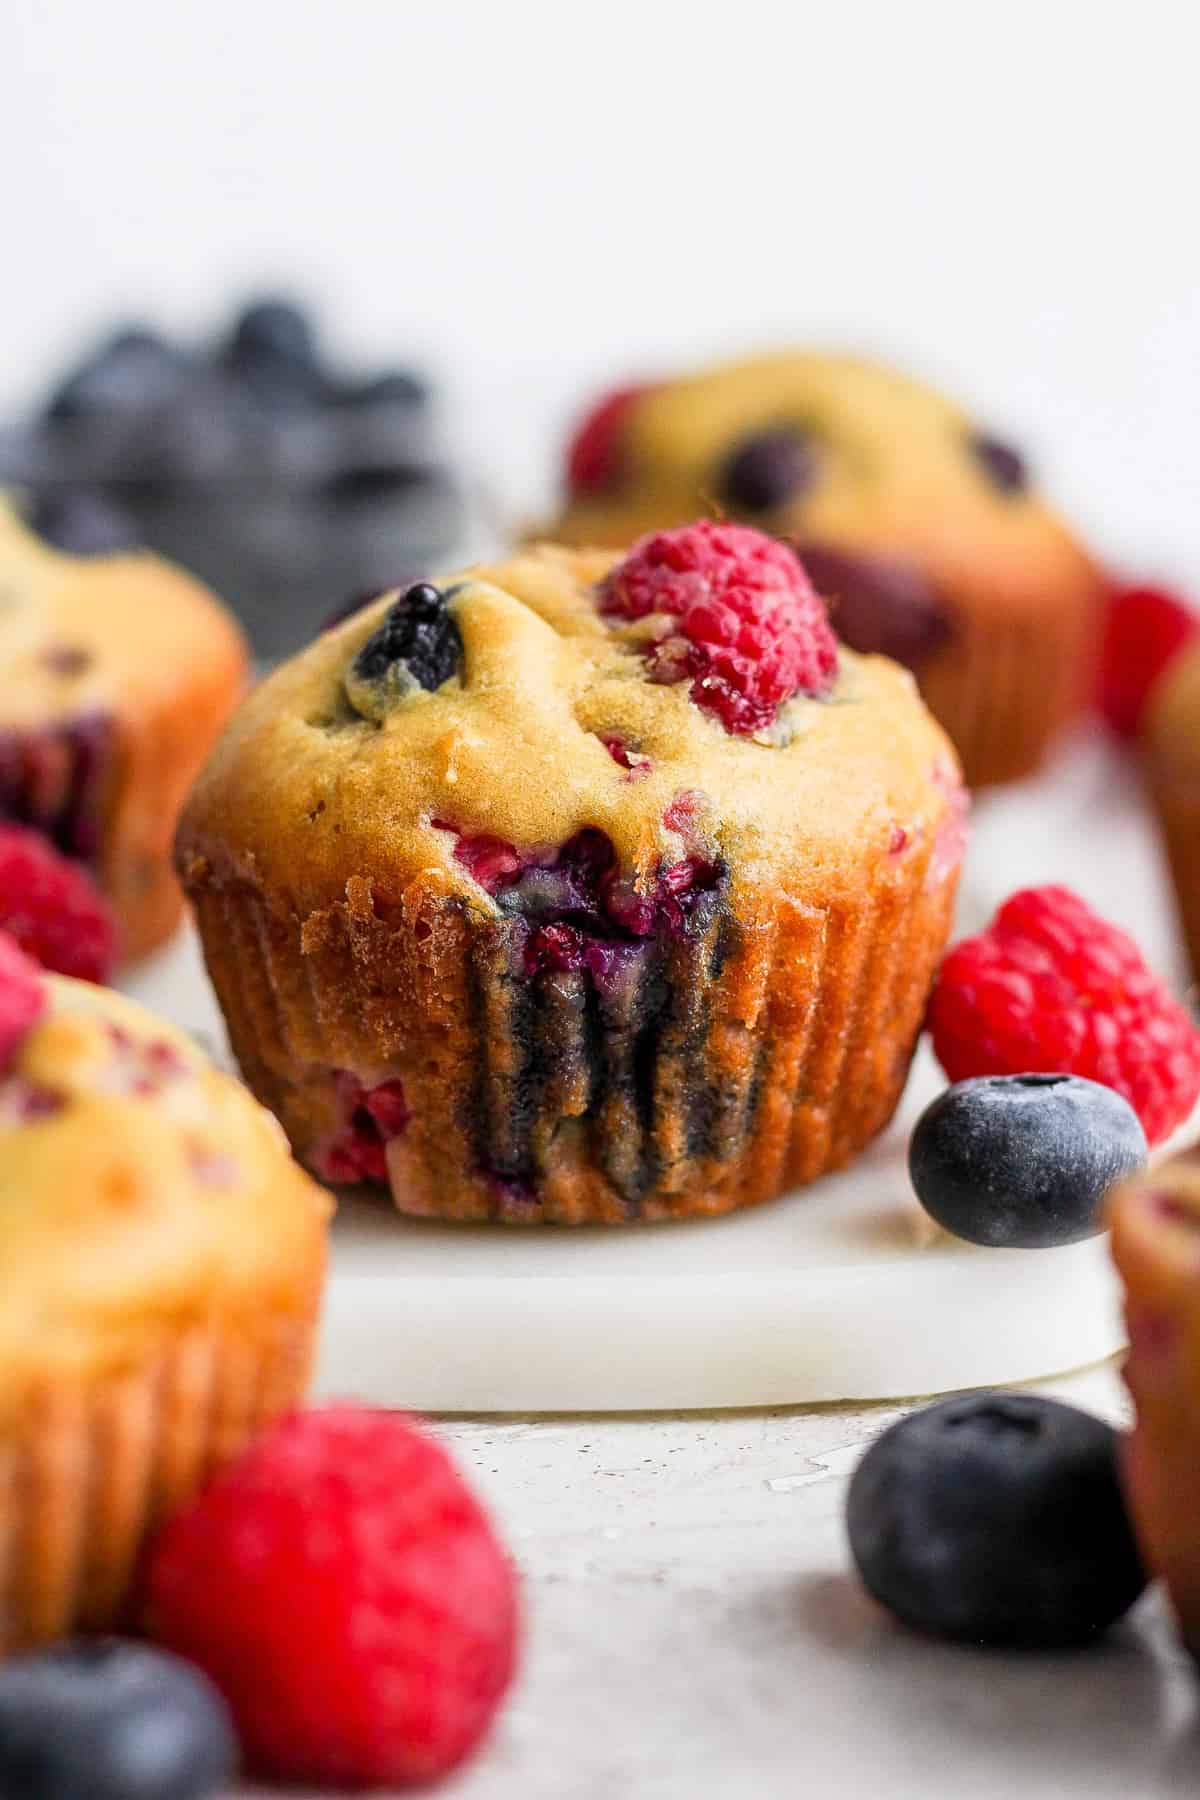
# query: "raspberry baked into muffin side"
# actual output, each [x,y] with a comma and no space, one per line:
[117,671]
[925,531]
[580,890]
[162,1260]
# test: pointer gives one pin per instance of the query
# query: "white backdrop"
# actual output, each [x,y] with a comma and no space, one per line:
[540,196]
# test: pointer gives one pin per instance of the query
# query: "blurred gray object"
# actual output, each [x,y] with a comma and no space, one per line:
[285,485]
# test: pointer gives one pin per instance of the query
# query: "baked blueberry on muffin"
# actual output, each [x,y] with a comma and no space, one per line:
[116,673]
[162,1261]
[1156,1246]
[922,529]
[580,889]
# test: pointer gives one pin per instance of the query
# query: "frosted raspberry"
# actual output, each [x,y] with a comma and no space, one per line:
[1146,629]
[594,453]
[22,995]
[346,1593]
[751,630]
[1052,988]
[53,908]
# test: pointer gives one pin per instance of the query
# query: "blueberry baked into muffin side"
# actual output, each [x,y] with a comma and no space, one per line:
[571,889]
[924,529]
[117,671]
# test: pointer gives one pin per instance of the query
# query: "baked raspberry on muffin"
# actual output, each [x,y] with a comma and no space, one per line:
[1171,744]
[580,889]
[116,673]
[1156,1246]
[922,529]
[162,1261]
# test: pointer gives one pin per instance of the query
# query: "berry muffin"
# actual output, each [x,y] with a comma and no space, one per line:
[162,1258]
[580,890]
[1171,743]
[922,530]
[116,674]
[1156,1246]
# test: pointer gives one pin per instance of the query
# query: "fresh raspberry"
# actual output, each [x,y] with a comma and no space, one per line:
[346,1593]
[751,629]
[22,995]
[1145,630]
[53,908]
[594,452]
[1051,988]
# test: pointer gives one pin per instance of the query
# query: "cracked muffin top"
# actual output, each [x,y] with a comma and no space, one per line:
[687,703]
[140,1187]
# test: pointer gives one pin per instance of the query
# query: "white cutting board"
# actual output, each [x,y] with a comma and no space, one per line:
[837,1292]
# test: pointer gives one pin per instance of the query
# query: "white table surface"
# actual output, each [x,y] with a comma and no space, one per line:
[694,1630]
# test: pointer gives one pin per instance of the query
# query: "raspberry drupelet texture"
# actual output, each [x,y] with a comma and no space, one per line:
[53,908]
[22,995]
[1145,630]
[749,629]
[594,452]
[345,1591]
[1052,988]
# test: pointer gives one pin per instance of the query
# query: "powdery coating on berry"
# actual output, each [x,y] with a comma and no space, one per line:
[347,1595]
[1053,988]
[594,452]
[1145,630]
[22,996]
[53,908]
[750,629]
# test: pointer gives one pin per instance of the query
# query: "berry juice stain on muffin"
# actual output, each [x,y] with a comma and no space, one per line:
[567,889]
[925,531]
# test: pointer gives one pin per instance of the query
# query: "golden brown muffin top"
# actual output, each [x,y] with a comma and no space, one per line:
[1173,721]
[304,793]
[893,467]
[84,634]
[140,1190]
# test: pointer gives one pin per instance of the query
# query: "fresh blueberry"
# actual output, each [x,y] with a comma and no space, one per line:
[368,483]
[996,1519]
[82,521]
[418,641]
[108,1720]
[399,387]
[205,435]
[1023,1161]
[767,470]
[274,327]
[273,351]
[1003,464]
[880,605]
[134,372]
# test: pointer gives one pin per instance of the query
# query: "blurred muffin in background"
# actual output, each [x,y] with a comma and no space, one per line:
[1171,741]
[117,671]
[921,529]
[284,483]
